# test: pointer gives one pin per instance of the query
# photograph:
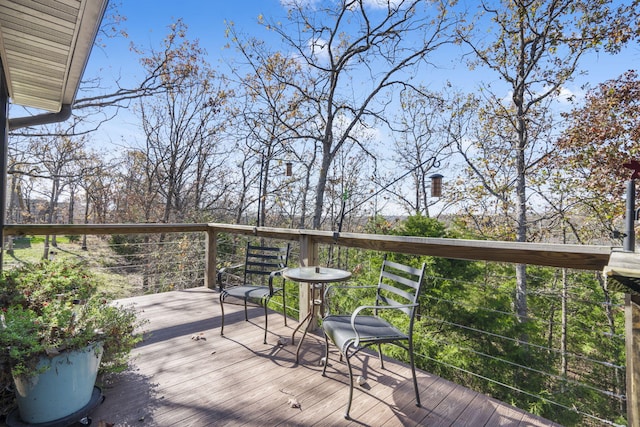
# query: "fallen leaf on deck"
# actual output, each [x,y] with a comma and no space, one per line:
[293,402]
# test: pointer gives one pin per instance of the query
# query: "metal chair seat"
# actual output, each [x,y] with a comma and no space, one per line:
[255,294]
[371,330]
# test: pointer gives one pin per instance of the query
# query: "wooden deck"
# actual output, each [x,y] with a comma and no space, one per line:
[236,380]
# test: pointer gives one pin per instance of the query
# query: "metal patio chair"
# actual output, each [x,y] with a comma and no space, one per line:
[260,280]
[398,289]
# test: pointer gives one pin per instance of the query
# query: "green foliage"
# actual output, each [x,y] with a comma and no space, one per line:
[225,243]
[116,326]
[126,244]
[377,225]
[54,306]
[422,226]
[20,337]
[37,285]
[419,225]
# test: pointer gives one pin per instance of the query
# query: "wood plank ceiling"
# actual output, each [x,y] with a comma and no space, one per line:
[44,47]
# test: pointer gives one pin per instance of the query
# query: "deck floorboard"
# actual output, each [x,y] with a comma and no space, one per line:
[185,373]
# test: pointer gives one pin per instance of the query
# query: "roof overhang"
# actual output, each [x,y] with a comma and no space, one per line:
[44,48]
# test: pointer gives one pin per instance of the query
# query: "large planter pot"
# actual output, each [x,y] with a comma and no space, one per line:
[63,389]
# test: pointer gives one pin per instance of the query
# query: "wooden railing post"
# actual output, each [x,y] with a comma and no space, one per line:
[308,257]
[632,338]
[211,253]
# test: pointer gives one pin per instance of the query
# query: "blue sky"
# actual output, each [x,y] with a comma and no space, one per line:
[148,21]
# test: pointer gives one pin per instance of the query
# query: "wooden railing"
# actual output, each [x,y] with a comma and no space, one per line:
[553,255]
[580,257]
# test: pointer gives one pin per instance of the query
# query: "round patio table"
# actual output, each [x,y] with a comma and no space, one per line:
[316,278]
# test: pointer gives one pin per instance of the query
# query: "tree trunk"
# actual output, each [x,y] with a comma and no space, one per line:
[52,204]
[86,219]
[72,198]
[321,187]
[264,182]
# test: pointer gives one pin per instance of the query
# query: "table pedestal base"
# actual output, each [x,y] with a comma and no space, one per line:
[317,291]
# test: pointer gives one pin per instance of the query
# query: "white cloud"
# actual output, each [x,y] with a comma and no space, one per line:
[382,4]
[373,4]
[318,49]
[298,3]
[568,96]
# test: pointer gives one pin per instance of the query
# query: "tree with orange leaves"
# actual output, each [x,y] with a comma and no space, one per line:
[602,136]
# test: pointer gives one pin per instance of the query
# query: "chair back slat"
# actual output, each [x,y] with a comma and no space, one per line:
[406,296]
[399,284]
[400,279]
[384,301]
[261,260]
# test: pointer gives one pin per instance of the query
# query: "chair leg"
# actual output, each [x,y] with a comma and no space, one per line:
[326,355]
[346,414]
[266,322]
[413,372]
[246,316]
[222,317]
[380,356]
[284,306]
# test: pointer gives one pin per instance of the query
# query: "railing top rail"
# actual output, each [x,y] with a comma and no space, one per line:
[43,229]
[554,255]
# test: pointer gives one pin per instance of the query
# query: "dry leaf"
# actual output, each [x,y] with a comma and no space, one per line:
[293,402]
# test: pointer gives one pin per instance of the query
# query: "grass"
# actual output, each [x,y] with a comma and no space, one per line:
[101,258]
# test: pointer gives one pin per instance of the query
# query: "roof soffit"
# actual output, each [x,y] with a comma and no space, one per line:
[45,45]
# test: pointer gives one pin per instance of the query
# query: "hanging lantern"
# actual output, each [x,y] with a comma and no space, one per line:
[289,166]
[436,185]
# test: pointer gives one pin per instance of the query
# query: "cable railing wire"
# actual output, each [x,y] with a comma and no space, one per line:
[545,321]
[521,342]
[530,369]
[535,396]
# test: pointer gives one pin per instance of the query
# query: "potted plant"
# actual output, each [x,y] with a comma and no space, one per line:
[54,318]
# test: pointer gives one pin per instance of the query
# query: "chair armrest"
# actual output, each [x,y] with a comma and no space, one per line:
[276,273]
[373,307]
[273,275]
[223,271]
